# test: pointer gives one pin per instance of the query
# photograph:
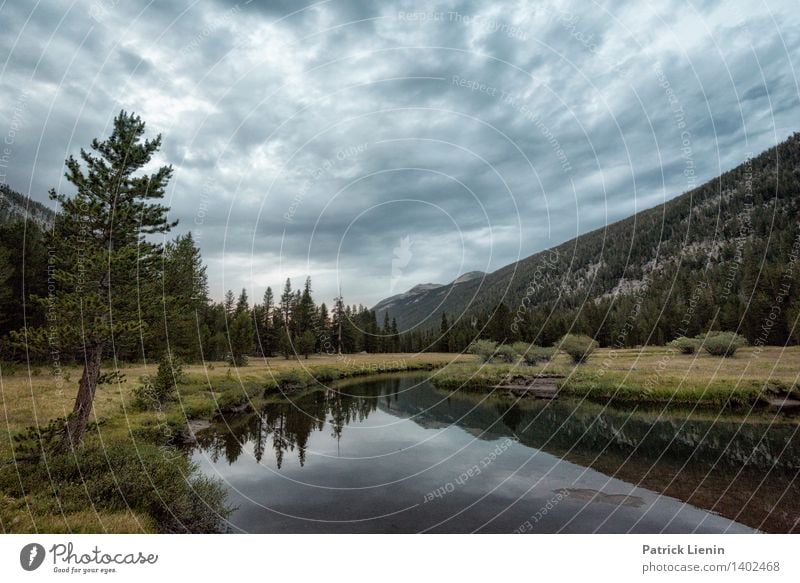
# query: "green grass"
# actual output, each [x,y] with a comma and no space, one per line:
[137,487]
[649,375]
[31,500]
[139,447]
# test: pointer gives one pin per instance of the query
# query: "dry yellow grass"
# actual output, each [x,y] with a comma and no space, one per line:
[653,374]
[21,517]
[28,399]
[772,363]
[34,397]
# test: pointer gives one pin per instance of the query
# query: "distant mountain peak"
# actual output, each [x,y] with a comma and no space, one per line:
[422,287]
[468,276]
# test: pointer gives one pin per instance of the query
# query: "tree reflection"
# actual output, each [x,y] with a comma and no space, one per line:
[744,467]
[289,425]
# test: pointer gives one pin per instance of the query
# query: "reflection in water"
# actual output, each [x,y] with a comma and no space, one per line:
[287,426]
[745,468]
[601,497]
[741,468]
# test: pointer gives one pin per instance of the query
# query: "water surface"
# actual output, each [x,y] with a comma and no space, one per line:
[396,455]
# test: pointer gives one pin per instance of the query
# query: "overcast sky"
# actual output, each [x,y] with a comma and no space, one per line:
[377,145]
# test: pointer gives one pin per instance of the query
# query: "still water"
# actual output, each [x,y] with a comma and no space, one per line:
[396,455]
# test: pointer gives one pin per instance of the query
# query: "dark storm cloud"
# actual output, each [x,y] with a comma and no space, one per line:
[301,132]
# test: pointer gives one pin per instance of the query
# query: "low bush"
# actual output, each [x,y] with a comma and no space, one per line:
[294,379]
[485,349]
[325,374]
[489,351]
[156,392]
[532,354]
[504,353]
[722,343]
[578,346]
[157,481]
[686,345]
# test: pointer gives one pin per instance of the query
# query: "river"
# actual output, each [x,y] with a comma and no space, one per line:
[393,454]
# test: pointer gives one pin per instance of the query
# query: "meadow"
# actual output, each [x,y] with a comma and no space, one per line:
[155,488]
[649,375]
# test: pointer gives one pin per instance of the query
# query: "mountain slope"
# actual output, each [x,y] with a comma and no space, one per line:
[736,232]
[15,206]
[402,302]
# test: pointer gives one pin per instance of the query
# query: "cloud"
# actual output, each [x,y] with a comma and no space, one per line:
[309,138]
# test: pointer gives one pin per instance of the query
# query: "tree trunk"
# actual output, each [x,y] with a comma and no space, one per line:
[76,424]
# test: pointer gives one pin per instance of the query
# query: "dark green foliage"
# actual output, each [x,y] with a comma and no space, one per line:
[499,325]
[23,277]
[304,311]
[183,302]
[686,345]
[287,302]
[722,343]
[264,315]
[35,441]
[443,344]
[285,346]
[485,349]
[228,304]
[504,353]
[241,338]
[305,344]
[491,351]
[158,481]
[578,346]
[154,393]
[242,304]
[103,265]
[532,354]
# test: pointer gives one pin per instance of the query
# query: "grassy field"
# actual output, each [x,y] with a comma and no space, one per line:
[652,374]
[79,493]
[29,398]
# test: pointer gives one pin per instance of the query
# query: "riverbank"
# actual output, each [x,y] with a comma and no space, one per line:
[79,494]
[131,474]
[657,375]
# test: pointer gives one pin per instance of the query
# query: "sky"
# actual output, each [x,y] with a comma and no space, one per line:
[377,145]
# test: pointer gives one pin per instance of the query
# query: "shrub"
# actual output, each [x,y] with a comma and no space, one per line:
[485,349]
[532,354]
[156,392]
[325,374]
[160,482]
[234,361]
[490,351]
[294,379]
[722,343]
[504,353]
[686,345]
[578,346]
[9,369]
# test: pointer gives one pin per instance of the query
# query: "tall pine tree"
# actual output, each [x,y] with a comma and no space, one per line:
[105,264]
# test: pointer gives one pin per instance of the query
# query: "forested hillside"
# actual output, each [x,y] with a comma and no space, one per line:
[722,256]
[15,206]
[22,249]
